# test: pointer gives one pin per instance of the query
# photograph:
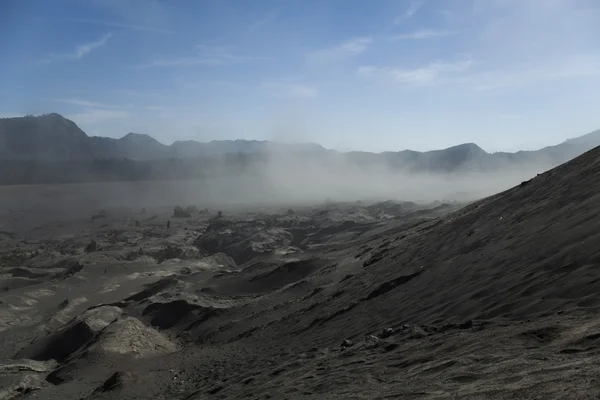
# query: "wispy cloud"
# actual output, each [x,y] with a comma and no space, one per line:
[86,48]
[87,103]
[422,34]
[117,24]
[581,68]
[355,46]
[290,90]
[80,51]
[207,56]
[156,108]
[146,15]
[424,75]
[347,49]
[412,9]
[572,68]
[182,62]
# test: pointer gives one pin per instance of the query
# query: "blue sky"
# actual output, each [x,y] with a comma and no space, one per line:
[349,74]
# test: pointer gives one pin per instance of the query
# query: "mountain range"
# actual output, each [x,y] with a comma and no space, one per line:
[51,138]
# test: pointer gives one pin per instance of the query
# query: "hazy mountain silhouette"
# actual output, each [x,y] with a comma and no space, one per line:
[47,137]
[132,145]
[53,138]
[191,148]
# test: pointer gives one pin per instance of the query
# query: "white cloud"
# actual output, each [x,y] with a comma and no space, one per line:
[421,35]
[424,75]
[355,46]
[87,103]
[117,24]
[221,54]
[182,62]
[292,91]
[79,51]
[412,9]
[86,48]
[347,49]
[574,67]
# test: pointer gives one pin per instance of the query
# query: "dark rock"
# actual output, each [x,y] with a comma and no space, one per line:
[115,381]
[168,253]
[243,241]
[372,341]
[466,325]
[392,284]
[347,343]
[78,333]
[71,268]
[386,333]
[153,289]
[390,346]
[179,212]
[63,374]
[215,389]
[167,315]
[91,247]
[20,272]
[414,331]
[62,344]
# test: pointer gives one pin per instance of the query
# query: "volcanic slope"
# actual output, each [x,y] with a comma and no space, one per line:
[498,300]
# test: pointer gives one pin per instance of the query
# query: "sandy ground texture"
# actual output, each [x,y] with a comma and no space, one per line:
[498,299]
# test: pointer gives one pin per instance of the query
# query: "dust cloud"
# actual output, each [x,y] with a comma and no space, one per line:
[277,178]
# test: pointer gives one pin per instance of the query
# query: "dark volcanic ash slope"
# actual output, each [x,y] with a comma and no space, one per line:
[85,295]
[496,300]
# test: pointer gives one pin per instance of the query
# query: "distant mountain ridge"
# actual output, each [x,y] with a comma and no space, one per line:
[53,138]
